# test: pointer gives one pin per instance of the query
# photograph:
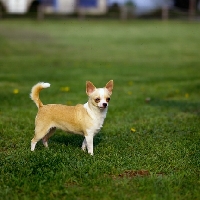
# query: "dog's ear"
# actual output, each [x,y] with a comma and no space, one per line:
[90,88]
[109,86]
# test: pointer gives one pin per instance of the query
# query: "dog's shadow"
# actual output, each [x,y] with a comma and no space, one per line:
[71,139]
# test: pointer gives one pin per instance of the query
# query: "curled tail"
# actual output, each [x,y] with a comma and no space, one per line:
[35,93]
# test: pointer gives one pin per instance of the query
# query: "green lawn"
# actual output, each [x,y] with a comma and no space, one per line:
[149,147]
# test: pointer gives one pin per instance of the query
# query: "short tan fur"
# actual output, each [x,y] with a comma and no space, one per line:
[86,119]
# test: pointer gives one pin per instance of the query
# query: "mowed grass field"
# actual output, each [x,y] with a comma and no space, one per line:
[149,146]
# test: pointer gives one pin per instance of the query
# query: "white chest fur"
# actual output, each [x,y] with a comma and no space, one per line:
[97,116]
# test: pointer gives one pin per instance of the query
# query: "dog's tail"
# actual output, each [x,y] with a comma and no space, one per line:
[35,93]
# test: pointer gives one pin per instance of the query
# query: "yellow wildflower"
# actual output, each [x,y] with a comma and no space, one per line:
[186,95]
[69,103]
[15,91]
[65,89]
[133,130]
[130,83]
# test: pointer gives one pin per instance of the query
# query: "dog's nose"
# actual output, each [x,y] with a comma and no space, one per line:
[104,105]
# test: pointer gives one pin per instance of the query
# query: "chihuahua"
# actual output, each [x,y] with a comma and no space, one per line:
[86,119]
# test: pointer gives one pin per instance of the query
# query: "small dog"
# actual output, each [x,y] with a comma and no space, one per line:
[81,119]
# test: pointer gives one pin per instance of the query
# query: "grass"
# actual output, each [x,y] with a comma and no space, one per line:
[149,145]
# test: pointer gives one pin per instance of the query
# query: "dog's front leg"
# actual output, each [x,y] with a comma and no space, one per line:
[89,143]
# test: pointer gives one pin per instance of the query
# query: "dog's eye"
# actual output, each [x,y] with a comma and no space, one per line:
[108,99]
[97,100]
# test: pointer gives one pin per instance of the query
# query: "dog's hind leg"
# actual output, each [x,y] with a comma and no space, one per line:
[33,143]
[47,136]
[39,134]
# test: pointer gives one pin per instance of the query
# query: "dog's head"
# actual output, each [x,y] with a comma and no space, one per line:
[99,97]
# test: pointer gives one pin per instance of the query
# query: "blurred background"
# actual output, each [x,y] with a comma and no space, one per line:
[150,48]
[122,9]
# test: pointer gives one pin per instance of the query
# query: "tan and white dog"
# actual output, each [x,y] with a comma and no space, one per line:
[81,119]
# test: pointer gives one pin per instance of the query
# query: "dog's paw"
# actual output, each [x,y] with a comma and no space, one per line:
[91,153]
[83,148]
